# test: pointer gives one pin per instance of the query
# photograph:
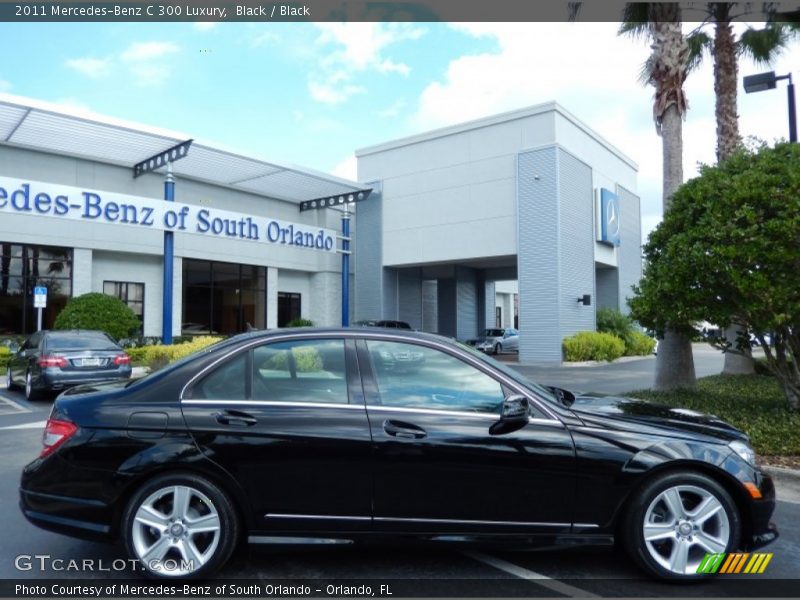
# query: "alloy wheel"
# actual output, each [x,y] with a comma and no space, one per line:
[9,381]
[175,531]
[28,386]
[682,524]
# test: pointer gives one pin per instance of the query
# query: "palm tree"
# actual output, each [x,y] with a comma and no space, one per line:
[762,45]
[672,57]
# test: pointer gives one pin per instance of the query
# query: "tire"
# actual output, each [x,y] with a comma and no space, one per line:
[208,509]
[30,393]
[707,522]
[10,385]
[497,349]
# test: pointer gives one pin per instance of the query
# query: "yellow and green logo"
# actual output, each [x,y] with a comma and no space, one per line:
[735,562]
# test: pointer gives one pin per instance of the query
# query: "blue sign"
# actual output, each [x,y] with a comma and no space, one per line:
[40,297]
[609,217]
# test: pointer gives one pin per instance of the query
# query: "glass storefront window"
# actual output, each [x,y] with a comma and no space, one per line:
[23,267]
[222,298]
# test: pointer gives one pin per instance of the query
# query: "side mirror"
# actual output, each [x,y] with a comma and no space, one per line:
[513,415]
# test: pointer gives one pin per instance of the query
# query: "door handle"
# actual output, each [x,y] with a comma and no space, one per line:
[404,430]
[236,418]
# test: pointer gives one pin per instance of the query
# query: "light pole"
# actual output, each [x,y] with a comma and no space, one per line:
[768,81]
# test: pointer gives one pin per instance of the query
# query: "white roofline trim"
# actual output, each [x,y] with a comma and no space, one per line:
[513,115]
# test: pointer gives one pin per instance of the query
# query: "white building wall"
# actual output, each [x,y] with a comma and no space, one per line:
[82,271]
[134,268]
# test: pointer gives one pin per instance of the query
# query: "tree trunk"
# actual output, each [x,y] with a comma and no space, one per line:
[725,81]
[674,361]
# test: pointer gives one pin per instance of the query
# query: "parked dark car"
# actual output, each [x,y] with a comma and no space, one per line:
[301,435]
[50,361]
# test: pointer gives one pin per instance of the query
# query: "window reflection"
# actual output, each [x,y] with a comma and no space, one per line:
[412,376]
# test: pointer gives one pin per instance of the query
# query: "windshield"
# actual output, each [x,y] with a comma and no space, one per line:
[542,391]
[492,333]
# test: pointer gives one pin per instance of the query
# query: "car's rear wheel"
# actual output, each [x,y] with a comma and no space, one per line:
[30,392]
[10,385]
[180,526]
[678,518]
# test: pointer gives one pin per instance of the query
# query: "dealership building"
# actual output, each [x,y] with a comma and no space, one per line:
[527,218]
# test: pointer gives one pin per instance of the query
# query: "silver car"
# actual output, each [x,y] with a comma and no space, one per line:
[495,341]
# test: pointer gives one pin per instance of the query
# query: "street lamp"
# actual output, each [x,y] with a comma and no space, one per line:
[768,81]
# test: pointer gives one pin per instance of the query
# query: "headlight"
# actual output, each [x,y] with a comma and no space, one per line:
[745,451]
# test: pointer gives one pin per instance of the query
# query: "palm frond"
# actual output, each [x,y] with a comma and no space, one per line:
[766,44]
[635,19]
[699,42]
[573,10]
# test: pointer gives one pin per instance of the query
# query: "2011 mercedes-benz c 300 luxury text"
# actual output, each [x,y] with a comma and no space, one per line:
[313,433]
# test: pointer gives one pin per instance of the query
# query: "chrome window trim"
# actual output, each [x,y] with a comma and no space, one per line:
[455,413]
[379,335]
[201,401]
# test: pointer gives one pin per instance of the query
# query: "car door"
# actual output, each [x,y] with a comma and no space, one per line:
[436,465]
[286,419]
[511,341]
[24,359]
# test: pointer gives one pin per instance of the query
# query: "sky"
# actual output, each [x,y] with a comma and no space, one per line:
[310,94]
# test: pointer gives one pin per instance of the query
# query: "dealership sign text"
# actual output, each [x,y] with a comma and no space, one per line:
[65,202]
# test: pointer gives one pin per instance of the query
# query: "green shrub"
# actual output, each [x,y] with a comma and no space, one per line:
[98,311]
[610,320]
[753,403]
[300,322]
[5,355]
[306,360]
[639,344]
[158,356]
[593,345]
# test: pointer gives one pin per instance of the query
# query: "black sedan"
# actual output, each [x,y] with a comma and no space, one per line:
[51,361]
[309,435]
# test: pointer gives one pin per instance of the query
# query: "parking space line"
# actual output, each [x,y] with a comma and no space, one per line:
[35,425]
[538,578]
[9,401]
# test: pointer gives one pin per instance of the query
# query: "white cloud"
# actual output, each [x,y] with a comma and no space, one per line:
[357,48]
[146,61]
[593,73]
[4,85]
[143,51]
[264,39]
[91,67]
[205,25]
[347,169]
[393,110]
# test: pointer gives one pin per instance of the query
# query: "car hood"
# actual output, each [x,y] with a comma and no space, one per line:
[633,411]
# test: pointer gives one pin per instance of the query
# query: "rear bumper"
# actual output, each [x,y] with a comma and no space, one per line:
[77,517]
[56,379]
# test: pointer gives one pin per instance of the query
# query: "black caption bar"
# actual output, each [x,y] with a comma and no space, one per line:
[359,10]
[394,589]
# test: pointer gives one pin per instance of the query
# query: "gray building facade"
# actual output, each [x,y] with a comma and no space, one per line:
[532,195]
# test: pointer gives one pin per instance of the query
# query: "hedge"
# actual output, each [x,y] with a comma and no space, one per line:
[593,345]
[5,355]
[158,356]
[98,311]
[753,403]
[639,344]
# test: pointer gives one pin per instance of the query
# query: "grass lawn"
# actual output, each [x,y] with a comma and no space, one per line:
[753,403]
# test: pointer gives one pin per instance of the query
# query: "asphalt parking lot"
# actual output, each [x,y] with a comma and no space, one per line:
[443,571]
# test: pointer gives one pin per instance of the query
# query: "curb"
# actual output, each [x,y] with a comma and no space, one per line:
[782,472]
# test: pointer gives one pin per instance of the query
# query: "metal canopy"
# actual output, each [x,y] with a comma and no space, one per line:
[46,127]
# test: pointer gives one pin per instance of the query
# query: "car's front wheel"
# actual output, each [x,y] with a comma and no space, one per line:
[180,526]
[497,349]
[678,518]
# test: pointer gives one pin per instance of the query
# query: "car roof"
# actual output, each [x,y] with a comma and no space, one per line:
[75,332]
[356,330]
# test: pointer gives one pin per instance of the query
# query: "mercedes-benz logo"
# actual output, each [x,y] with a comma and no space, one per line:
[612,220]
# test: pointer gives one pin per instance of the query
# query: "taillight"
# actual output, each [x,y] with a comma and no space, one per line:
[52,361]
[122,359]
[56,432]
